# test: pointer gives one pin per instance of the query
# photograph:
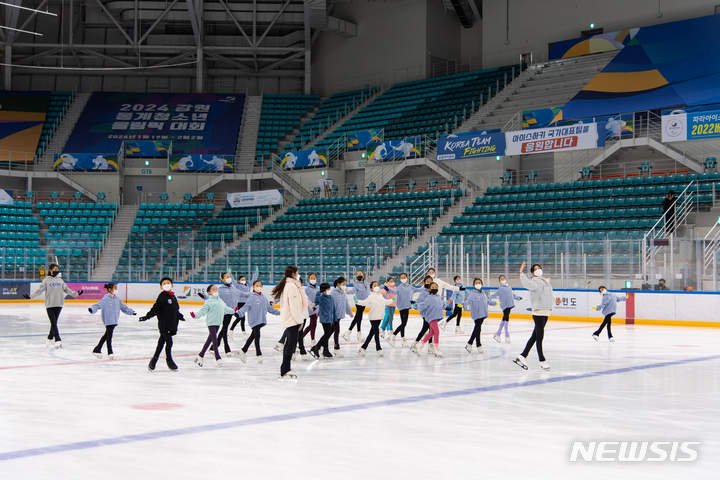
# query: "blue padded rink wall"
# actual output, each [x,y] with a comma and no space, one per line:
[66,414]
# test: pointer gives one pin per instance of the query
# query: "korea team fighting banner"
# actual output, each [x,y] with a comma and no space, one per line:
[680,125]
[147,148]
[407,148]
[84,161]
[360,140]
[195,123]
[317,157]
[201,163]
[464,146]
[261,198]
[541,140]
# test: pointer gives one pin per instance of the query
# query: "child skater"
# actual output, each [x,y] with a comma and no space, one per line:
[478,302]
[542,300]
[405,293]
[507,303]
[55,290]
[213,310]
[424,292]
[244,289]
[167,311]
[608,307]
[326,314]
[431,310]
[457,297]
[111,306]
[341,305]
[257,307]
[361,291]
[231,293]
[376,303]
[389,291]
[311,290]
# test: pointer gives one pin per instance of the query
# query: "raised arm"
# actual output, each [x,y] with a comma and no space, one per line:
[620,298]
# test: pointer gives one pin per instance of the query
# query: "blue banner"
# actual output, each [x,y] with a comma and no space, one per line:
[195,123]
[84,161]
[360,140]
[261,198]
[201,163]
[316,157]
[470,145]
[407,148]
[147,148]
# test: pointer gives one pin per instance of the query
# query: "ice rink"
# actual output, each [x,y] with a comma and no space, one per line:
[66,415]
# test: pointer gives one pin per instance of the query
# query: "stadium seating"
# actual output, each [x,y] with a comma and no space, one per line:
[77,221]
[424,107]
[59,103]
[330,111]
[19,238]
[281,114]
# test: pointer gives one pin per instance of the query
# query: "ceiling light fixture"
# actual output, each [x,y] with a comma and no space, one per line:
[29,9]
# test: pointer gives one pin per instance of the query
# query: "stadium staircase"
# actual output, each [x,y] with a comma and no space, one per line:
[114,244]
[60,138]
[247,141]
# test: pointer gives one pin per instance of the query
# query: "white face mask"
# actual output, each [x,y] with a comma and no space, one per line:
[403,280]
[312,282]
[258,290]
[215,294]
[432,275]
[504,282]
[478,287]
[243,282]
[114,292]
[228,281]
[376,289]
[538,272]
[167,287]
[604,292]
[391,285]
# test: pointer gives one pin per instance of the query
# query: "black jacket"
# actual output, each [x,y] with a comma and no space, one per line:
[167,311]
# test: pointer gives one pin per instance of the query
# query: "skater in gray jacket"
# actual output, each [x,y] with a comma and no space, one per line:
[55,290]
[542,300]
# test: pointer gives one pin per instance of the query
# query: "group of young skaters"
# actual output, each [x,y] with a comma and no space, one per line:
[302,307]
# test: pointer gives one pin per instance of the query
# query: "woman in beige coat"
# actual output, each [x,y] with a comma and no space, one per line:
[293,305]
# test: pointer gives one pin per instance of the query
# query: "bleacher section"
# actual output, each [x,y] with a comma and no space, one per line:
[20,238]
[591,211]
[281,114]
[59,103]
[331,110]
[84,224]
[424,107]
[350,227]
[229,223]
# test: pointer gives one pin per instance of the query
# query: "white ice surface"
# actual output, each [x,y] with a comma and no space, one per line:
[66,415]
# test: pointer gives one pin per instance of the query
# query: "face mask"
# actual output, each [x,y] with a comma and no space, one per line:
[114,292]
[359,277]
[432,275]
[427,285]
[258,290]
[538,272]
[604,292]
[504,282]
[228,281]
[167,287]
[403,280]
[391,285]
[215,294]
[376,289]
[243,282]
[433,291]
[478,287]
[458,282]
[312,282]
[54,273]
[59,275]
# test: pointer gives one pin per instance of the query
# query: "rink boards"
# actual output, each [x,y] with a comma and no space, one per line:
[642,307]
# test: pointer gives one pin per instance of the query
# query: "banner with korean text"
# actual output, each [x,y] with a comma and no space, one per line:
[191,123]
[681,125]
[541,140]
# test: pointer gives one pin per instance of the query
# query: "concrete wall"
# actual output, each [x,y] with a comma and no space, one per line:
[533,24]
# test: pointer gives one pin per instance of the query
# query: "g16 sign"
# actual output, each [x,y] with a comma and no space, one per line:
[193,123]
[541,140]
